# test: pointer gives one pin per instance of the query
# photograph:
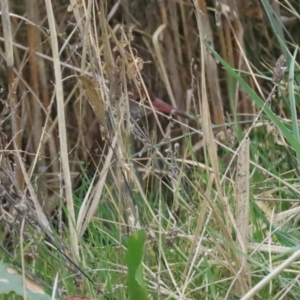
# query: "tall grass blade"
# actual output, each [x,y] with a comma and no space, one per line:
[260,102]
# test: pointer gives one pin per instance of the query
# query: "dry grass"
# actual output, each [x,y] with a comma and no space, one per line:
[216,193]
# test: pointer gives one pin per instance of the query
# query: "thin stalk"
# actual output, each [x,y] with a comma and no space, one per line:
[62,130]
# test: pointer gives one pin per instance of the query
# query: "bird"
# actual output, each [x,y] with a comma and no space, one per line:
[140,111]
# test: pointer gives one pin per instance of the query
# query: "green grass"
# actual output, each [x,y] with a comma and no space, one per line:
[185,184]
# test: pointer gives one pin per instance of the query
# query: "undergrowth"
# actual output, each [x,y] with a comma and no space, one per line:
[199,202]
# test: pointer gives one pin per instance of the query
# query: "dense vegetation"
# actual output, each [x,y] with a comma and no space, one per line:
[197,203]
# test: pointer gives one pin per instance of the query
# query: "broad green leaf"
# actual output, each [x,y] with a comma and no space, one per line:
[11,281]
[134,258]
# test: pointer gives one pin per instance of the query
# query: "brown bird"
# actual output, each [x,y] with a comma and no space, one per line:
[137,110]
[140,108]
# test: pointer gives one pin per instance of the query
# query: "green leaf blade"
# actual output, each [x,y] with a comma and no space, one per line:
[134,258]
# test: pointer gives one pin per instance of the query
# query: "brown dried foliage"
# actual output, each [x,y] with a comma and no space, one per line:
[114,49]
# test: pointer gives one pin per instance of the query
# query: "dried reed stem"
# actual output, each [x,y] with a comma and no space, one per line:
[62,130]
[12,82]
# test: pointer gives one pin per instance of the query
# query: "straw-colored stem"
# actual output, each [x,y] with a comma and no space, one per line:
[62,130]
